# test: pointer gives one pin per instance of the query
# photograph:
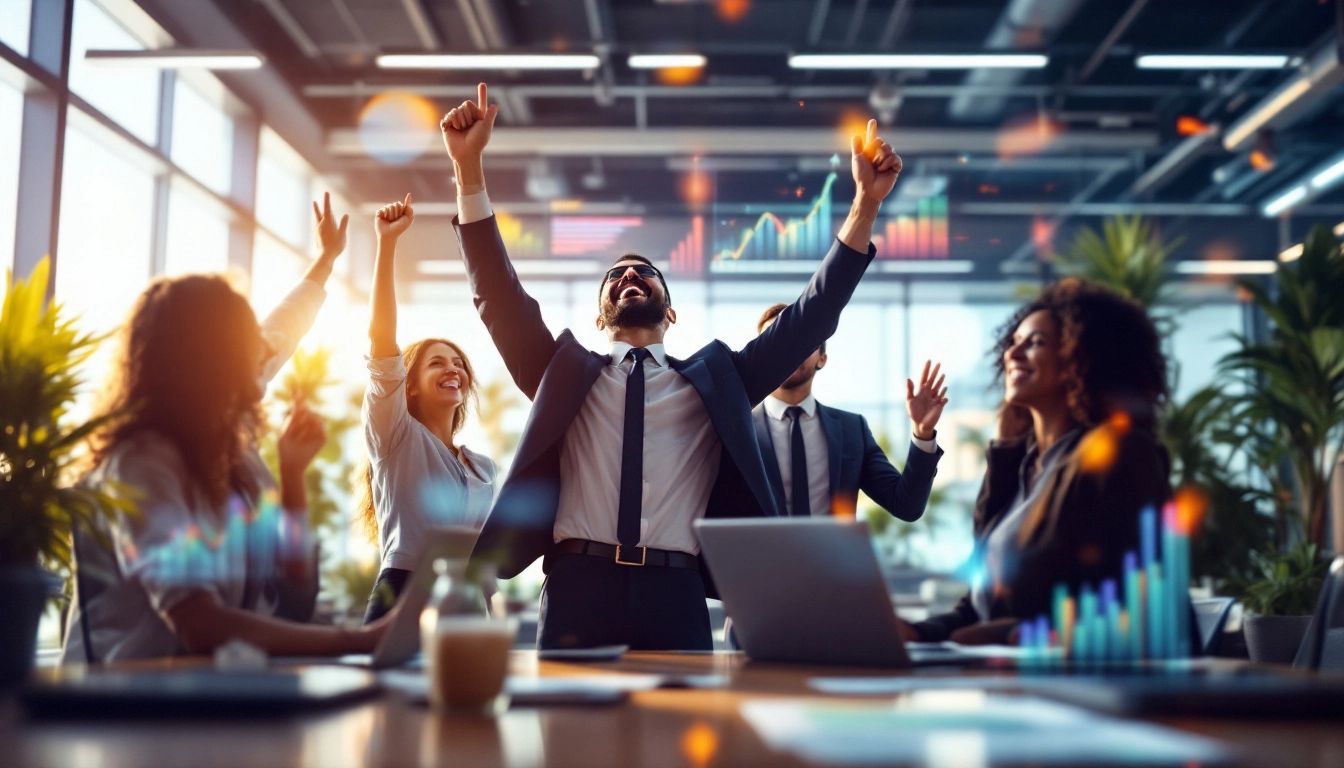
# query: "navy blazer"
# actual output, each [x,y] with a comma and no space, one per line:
[858,463]
[557,372]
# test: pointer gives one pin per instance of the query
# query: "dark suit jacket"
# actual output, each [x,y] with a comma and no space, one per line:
[858,463]
[557,372]
[1088,522]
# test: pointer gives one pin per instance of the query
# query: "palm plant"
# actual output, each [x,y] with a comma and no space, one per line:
[41,354]
[1294,379]
[1129,256]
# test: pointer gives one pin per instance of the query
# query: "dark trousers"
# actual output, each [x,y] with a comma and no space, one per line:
[590,601]
[391,582]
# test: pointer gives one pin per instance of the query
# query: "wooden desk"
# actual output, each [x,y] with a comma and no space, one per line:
[656,728]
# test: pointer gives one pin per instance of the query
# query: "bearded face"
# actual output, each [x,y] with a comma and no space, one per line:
[633,298]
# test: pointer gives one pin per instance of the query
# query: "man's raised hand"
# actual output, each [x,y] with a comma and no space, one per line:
[392,220]
[874,164]
[330,233]
[466,128]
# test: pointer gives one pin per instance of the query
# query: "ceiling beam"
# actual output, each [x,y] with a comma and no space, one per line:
[423,25]
[660,142]
[364,89]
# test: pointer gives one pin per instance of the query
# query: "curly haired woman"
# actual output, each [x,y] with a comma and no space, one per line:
[1075,458]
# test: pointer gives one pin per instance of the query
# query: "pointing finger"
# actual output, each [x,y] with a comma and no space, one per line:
[871,135]
[326,205]
[482,102]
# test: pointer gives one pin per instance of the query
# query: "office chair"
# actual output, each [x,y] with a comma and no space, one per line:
[1210,617]
[1323,646]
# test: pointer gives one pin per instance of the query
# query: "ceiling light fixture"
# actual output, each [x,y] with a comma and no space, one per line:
[1227,267]
[1212,61]
[173,58]
[1285,201]
[488,61]
[918,61]
[1328,176]
[1292,253]
[665,60]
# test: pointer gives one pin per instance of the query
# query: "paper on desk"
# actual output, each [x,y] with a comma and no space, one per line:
[965,728]
[874,686]
[415,684]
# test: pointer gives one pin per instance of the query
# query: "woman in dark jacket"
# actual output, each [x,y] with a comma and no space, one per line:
[1075,458]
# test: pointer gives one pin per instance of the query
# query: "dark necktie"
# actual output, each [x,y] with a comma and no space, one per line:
[632,453]
[798,454]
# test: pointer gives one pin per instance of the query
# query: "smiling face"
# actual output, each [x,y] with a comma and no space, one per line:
[439,379]
[630,299]
[1031,365]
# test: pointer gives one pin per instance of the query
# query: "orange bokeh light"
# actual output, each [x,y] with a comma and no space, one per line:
[1026,137]
[699,744]
[853,122]
[732,11]
[1098,450]
[1191,506]
[679,75]
[1261,161]
[696,188]
[1186,125]
[1120,422]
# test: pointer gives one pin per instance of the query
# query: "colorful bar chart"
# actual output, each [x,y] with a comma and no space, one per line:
[918,234]
[589,235]
[688,258]
[1149,619]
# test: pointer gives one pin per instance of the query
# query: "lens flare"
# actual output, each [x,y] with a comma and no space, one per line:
[699,744]
[1191,506]
[732,11]
[1098,450]
[396,127]
[695,188]
[679,75]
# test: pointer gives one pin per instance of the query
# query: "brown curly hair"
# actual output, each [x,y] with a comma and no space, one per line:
[185,367]
[413,358]
[1110,353]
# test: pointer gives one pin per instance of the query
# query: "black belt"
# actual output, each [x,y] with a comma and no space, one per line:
[636,556]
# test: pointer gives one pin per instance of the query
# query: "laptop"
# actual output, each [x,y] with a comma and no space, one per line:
[401,643]
[809,590]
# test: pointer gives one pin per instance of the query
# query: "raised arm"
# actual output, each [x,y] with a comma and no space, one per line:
[512,317]
[287,324]
[767,361]
[389,223]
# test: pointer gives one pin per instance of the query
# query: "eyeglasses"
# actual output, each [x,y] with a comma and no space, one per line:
[643,270]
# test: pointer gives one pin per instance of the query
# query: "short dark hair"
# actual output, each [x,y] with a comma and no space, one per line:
[1111,354]
[769,315]
[635,257]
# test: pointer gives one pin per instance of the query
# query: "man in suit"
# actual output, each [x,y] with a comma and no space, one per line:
[622,452]
[824,456]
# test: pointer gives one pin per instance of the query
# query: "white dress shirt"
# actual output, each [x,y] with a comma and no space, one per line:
[681,457]
[814,444]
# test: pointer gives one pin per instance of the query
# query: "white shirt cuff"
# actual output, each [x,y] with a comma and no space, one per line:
[927,446]
[473,207]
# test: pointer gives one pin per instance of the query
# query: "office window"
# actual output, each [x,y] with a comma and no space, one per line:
[1203,336]
[105,230]
[202,137]
[276,269]
[198,232]
[283,202]
[14,24]
[128,95]
[11,122]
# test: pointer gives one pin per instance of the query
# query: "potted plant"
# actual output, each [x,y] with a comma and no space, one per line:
[1292,382]
[1280,602]
[41,352]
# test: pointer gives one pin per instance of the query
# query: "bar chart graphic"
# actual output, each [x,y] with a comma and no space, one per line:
[688,257]
[919,233]
[589,235]
[1142,615]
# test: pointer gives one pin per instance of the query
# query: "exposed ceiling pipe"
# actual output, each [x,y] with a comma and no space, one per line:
[1025,24]
[1316,78]
[1121,27]
[291,27]
[1175,161]
[424,27]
